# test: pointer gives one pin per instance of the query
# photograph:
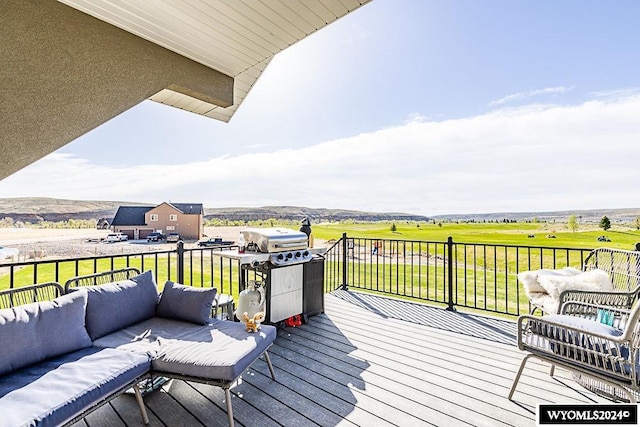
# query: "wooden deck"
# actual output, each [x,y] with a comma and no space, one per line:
[359,364]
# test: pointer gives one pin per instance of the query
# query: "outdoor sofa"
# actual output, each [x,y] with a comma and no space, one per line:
[65,357]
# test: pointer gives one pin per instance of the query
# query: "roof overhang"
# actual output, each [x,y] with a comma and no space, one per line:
[70,65]
[237,38]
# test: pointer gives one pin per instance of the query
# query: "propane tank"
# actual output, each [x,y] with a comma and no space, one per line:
[306,229]
[251,300]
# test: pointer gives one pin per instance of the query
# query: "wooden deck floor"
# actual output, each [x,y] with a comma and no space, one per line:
[359,364]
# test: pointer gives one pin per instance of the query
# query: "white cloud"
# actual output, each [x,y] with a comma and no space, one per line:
[616,93]
[529,94]
[523,159]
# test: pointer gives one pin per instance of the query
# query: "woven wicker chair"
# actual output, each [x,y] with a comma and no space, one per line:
[101,278]
[604,356]
[623,268]
[28,294]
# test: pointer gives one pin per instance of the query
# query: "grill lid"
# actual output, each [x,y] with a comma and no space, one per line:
[269,240]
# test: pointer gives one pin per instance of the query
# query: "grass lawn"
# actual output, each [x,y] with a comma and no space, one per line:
[490,233]
[199,271]
[487,258]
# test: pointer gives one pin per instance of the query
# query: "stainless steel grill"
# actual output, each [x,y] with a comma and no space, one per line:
[278,258]
[285,246]
[285,251]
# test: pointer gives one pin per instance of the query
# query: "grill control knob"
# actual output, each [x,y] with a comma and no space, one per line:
[289,255]
[298,254]
[280,257]
[305,254]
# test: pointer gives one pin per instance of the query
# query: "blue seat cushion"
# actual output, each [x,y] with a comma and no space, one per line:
[55,391]
[34,332]
[582,339]
[587,325]
[221,350]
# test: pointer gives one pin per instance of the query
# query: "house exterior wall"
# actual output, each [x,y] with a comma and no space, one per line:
[167,219]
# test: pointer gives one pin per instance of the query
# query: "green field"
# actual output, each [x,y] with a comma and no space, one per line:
[198,270]
[411,264]
[490,233]
[486,258]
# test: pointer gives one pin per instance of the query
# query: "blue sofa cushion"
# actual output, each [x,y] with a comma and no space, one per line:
[221,350]
[117,305]
[571,343]
[34,332]
[54,391]
[587,325]
[186,303]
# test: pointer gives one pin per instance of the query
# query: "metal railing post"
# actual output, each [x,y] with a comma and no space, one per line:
[180,252]
[450,306]
[345,249]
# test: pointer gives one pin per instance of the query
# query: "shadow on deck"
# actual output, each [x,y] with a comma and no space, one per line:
[360,364]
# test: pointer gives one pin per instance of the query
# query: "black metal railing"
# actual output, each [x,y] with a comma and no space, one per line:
[455,274]
[472,275]
[196,267]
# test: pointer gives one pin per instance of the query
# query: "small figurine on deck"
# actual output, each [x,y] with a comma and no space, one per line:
[253,324]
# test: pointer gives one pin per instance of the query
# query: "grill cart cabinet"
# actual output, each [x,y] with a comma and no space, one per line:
[284,292]
[313,287]
[295,289]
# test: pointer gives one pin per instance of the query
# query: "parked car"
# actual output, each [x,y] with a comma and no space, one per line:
[173,237]
[155,237]
[116,237]
[215,241]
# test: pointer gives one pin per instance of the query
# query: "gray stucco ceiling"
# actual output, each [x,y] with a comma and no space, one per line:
[237,38]
[71,65]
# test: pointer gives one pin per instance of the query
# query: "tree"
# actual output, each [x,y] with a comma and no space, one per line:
[637,223]
[393,227]
[605,223]
[572,223]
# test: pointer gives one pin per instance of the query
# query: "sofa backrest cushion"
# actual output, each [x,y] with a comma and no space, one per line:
[34,332]
[116,305]
[187,303]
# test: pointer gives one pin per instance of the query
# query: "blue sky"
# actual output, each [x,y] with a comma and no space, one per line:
[428,107]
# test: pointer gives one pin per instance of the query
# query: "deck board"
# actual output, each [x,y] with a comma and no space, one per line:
[360,364]
[105,416]
[128,410]
[168,410]
[196,403]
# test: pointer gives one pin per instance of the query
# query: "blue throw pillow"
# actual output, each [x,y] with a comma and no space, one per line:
[186,303]
[606,317]
[35,332]
[113,306]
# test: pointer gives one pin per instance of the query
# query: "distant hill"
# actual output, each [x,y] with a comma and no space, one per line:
[35,209]
[314,214]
